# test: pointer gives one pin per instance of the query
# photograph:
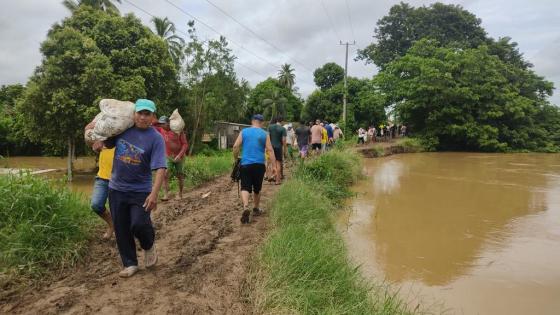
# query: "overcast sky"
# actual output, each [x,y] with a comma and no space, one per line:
[304,33]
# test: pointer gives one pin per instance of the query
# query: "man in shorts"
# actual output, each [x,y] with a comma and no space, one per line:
[303,133]
[316,136]
[252,142]
[101,184]
[277,135]
[176,147]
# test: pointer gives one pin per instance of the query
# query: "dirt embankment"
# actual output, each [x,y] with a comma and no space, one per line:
[204,253]
[379,149]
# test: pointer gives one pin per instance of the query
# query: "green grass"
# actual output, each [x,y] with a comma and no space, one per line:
[202,168]
[412,144]
[303,268]
[42,226]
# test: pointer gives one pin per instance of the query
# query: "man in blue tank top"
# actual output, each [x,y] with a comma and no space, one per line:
[252,142]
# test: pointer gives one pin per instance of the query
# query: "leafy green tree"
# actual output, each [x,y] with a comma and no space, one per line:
[366,105]
[89,56]
[468,99]
[328,75]
[275,104]
[214,92]
[404,25]
[104,5]
[175,44]
[269,97]
[12,138]
[286,76]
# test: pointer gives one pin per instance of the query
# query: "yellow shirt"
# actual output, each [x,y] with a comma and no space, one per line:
[106,163]
[325,136]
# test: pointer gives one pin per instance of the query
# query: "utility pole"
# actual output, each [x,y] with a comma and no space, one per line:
[345,82]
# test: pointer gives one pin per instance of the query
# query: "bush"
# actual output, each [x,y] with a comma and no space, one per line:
[415,144]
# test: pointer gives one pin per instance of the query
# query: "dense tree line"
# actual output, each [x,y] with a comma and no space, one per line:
[440,74]
[456,87]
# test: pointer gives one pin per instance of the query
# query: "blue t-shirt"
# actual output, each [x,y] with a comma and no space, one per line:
[329,131]
[253,145]
[137,153]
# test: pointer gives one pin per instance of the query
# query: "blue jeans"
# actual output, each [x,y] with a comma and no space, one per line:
[99,195]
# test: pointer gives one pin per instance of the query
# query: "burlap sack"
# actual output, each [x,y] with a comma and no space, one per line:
[115,117]
[176,122]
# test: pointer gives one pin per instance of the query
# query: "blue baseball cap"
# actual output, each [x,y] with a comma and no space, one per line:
[144,104]
[258,117]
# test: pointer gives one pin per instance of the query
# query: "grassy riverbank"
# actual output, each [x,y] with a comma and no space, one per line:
[303,267]
[42,226]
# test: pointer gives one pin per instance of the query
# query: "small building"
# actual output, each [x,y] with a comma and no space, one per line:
[227,133]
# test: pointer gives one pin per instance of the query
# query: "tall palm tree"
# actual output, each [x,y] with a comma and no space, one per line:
[286,76]
[104,5]
[166,30]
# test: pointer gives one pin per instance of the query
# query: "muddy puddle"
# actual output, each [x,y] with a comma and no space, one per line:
[461,233]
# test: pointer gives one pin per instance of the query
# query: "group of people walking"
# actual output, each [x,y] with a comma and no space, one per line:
[382,133]
[128,161]
[256,148]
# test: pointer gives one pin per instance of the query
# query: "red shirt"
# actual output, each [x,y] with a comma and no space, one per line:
[175,144]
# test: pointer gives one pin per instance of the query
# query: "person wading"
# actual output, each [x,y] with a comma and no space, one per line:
[138,151]
[278,139]
[252,142]
[101,184]
[176,147]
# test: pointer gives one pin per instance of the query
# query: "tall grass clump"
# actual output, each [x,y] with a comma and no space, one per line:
[413,144]
[42,226]
[302,268]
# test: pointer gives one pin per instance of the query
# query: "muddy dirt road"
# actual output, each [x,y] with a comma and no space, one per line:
[203,259]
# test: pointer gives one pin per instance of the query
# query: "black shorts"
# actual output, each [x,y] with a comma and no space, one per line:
[252,177]
[278,154]
[316,146]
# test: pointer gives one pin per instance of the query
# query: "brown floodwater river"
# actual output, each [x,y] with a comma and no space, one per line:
[84,168]
[461,233]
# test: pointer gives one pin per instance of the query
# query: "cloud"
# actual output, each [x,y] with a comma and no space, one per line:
[301,32]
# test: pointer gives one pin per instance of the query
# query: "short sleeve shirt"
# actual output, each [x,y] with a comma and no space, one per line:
[276,132]
[303,133]
[137,153]
[106,163]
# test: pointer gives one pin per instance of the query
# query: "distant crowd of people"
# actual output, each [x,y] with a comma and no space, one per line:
[382,133]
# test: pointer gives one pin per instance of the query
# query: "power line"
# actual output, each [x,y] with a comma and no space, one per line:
[255,34]
[350,20]
[330,20]
[187,34]
[217,32]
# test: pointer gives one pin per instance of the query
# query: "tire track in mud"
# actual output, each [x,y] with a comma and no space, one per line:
[204,253]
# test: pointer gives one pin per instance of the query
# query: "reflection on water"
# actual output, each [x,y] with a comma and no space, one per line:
[480,232]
